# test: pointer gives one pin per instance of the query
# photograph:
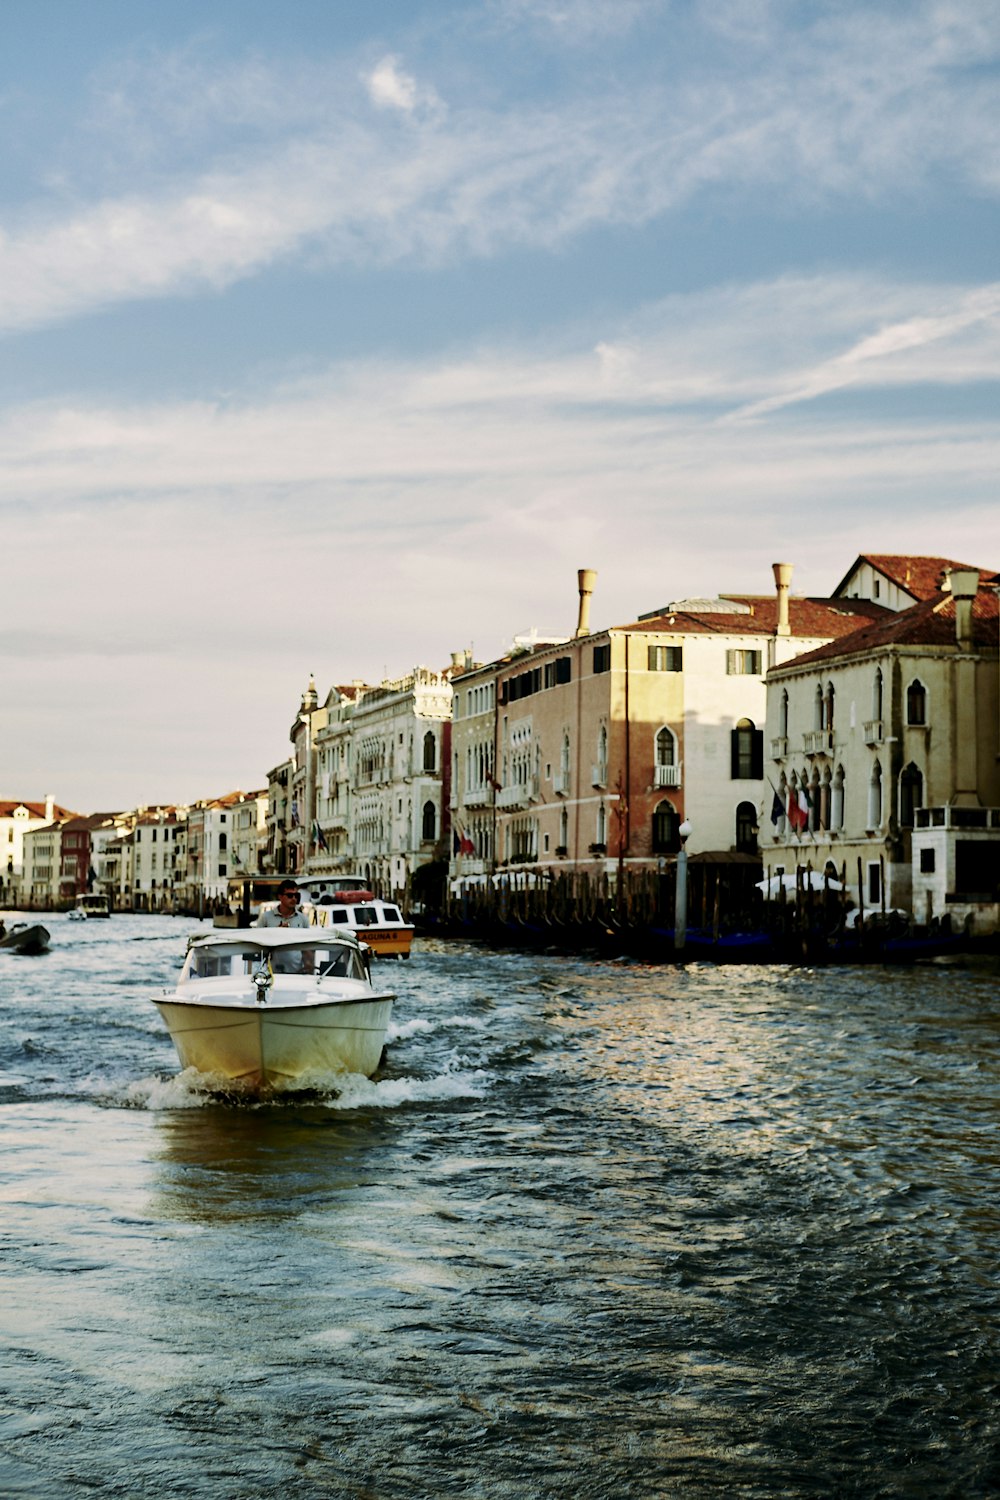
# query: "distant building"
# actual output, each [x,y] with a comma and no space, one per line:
[154,848]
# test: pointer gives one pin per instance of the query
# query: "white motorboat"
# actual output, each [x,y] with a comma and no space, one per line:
[278,1007]
[89,906]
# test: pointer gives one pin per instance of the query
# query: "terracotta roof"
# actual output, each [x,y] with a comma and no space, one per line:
[806,617]
[920,577]
[36,809]
[931,622]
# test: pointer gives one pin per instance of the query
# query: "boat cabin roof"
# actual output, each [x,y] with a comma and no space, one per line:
[255,938]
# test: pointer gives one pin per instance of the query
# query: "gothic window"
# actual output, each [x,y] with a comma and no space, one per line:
[428,826]
[916,703]
[911,795]
[430,751]
[837,800]
[877,694]
[666,748]
[828,707]
[875,797]
[783,715]
[666,839]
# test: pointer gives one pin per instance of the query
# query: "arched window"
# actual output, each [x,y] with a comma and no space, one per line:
[602,745]
[815,804]
[837,800]
[818,709]
[828,715]
[602,825]
[564,829]
[875,797]
[666,839]
[783,715]
[564,765]
[428,823]
[877,694]
[826,800]
[747,751]
[430,751]
[666,748]
[916,703]
[911,795]
[746,828]
[222,843]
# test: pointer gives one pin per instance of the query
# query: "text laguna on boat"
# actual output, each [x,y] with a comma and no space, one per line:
[273,1008]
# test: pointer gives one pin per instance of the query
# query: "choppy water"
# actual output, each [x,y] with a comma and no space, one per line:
[597,1230]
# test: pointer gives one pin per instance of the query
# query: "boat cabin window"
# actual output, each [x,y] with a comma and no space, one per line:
[365,916]
[214,963]
[339,914]
[391,914]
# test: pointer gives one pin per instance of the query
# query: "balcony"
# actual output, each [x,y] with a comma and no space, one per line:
[666,776]
[818,742]
[599,774]
[519,795]
[779,747]
[477,796]
[560,784]
[874,731]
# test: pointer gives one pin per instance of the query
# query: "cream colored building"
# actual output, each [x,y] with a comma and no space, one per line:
[400,763]
[884,747]
[16,819]
[42,863]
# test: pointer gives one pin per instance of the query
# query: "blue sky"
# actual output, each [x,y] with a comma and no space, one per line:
[338,336]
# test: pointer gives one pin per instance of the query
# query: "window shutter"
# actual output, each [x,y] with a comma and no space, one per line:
[757,755]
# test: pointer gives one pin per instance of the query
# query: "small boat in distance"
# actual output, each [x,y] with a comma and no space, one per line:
[89,906]
[25,937]
[276,1008]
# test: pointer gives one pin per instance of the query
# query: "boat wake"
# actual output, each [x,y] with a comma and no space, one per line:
[341,1091]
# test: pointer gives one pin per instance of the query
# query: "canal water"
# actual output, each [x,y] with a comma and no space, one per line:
[596,1230]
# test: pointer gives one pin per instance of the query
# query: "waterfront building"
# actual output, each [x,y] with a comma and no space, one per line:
[16,819]
[279,817]
[41,854]
[332,849]
[604,743]
[400,771]
[883,748]
[202,863]
[83,839]
[156,872]
[248,834]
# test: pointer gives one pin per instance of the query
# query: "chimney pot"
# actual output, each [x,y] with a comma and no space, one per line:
[585,578]
[782,582]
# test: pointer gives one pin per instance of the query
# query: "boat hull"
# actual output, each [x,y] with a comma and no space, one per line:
[27,939]
[274,1046]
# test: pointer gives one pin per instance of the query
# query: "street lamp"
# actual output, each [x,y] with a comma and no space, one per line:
[681,891]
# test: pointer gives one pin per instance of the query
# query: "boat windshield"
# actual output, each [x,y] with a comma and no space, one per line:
[328,961]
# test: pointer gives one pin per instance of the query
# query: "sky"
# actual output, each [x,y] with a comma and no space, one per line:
[337,337]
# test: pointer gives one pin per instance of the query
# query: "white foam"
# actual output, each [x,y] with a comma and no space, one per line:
[194,1090]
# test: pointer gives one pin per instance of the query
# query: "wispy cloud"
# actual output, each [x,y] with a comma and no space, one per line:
[850,107]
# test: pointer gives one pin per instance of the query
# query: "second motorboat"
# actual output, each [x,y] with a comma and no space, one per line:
[276,1008]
